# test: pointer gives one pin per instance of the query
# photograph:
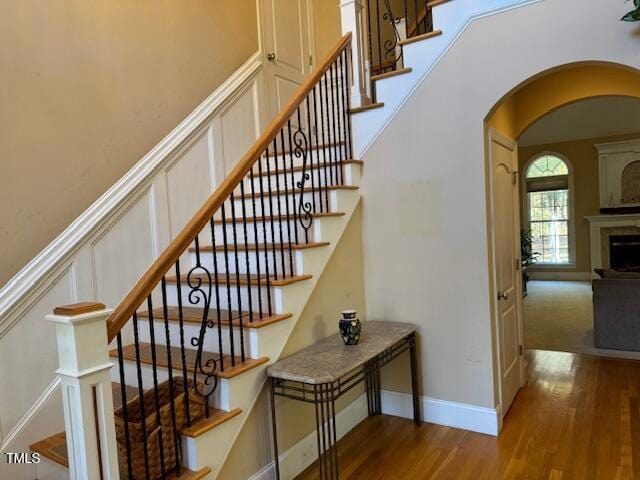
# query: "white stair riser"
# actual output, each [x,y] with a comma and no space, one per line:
[256,232]
[330,173]
[225,294]
[219,399]
[256,259]
[192,330]
[263,206]
[209,448]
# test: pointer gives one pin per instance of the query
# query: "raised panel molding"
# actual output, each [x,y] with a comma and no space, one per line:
[137,215]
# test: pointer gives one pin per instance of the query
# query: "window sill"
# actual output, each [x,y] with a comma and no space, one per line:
[554,266]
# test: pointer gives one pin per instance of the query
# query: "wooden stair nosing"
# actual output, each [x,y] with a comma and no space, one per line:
[194,315]
[309,167]
[391,74]
[418,38]
[128,353]
[261,246]
[243,280]
[47,448]
[203,425]
[366,108]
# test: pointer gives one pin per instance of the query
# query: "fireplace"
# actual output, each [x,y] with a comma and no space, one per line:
[624,251]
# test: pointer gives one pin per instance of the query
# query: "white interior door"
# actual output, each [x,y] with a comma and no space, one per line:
[506,245]
[287,44]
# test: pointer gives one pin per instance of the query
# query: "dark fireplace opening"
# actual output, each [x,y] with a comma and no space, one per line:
[625,251]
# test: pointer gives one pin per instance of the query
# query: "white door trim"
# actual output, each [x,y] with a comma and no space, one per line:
[494,135]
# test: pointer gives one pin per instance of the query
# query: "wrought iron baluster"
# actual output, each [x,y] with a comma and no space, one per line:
[154,367]
[286,203]
[279,205]
[214,249]
[264,239]
[301,150]
[246,257]
[174,423]
[255,241]
[327,114]
[227,277]
[143,416]
[125,412]
[293,182]
[187,411]
[238,278]
[271,212]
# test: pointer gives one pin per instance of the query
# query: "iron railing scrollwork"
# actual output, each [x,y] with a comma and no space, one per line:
[390,22]
[238,248]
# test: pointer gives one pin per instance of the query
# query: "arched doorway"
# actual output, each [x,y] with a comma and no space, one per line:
[545,208]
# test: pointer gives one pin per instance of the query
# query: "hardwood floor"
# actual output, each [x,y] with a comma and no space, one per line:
[578,417]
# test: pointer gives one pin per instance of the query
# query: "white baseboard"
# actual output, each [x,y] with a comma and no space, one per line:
[560,276]
[304,453]
[442,412]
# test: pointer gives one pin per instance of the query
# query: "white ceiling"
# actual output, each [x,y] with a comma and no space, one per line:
[595,117]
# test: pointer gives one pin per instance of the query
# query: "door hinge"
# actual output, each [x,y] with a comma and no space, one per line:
[515,177]
[310,61]
[517,261]
[521,350]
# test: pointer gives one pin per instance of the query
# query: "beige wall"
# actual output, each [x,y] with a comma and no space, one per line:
[425,210]
[327,27]
[341,286]
[584,159]
[88,88]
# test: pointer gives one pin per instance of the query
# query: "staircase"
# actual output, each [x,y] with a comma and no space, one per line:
[194,337]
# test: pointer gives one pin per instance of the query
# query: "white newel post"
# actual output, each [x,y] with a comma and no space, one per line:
[354,20]
[83,355]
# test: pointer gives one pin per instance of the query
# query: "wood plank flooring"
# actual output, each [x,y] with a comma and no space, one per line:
[578,417]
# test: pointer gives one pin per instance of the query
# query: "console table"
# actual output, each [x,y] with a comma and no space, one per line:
[323,372]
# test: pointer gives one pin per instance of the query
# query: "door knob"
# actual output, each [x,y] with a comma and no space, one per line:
[271,57]
[503,295]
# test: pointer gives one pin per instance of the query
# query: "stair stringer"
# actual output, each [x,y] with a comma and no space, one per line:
[453,18]
[205,450]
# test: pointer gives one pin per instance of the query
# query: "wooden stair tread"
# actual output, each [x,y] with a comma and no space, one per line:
[394,73]
[322,146]
[261,246]
[243,279]
[419,38]
[129,353]
[186,474]
[203,425]
[298,190]
[366,108]
[299,168]
[194,315]
[277,218]
[54,448]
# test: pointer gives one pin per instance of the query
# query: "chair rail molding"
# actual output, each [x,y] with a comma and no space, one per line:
[140,214]
[39,272]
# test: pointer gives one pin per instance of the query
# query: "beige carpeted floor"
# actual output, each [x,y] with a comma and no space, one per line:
[559,316]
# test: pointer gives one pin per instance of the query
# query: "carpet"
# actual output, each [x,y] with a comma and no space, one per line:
[559,316]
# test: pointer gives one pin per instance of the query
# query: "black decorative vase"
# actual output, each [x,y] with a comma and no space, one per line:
[350,327]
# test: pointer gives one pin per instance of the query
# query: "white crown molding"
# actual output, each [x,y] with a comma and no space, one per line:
[38,272]
[625,146]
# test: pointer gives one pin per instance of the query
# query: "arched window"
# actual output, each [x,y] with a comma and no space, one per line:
[548,208]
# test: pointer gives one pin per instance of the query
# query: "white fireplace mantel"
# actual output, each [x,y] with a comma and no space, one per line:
[597,223]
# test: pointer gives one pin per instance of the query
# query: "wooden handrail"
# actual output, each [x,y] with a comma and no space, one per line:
[183,240]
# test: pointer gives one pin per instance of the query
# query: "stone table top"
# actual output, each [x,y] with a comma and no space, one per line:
[330,359]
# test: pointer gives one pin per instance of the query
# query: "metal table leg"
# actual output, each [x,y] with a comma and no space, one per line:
[326,432]
[414,378]
[276,459]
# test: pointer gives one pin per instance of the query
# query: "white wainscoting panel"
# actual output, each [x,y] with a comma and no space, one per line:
[101,255]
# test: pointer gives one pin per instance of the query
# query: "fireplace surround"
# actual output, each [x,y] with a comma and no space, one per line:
[624,251]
